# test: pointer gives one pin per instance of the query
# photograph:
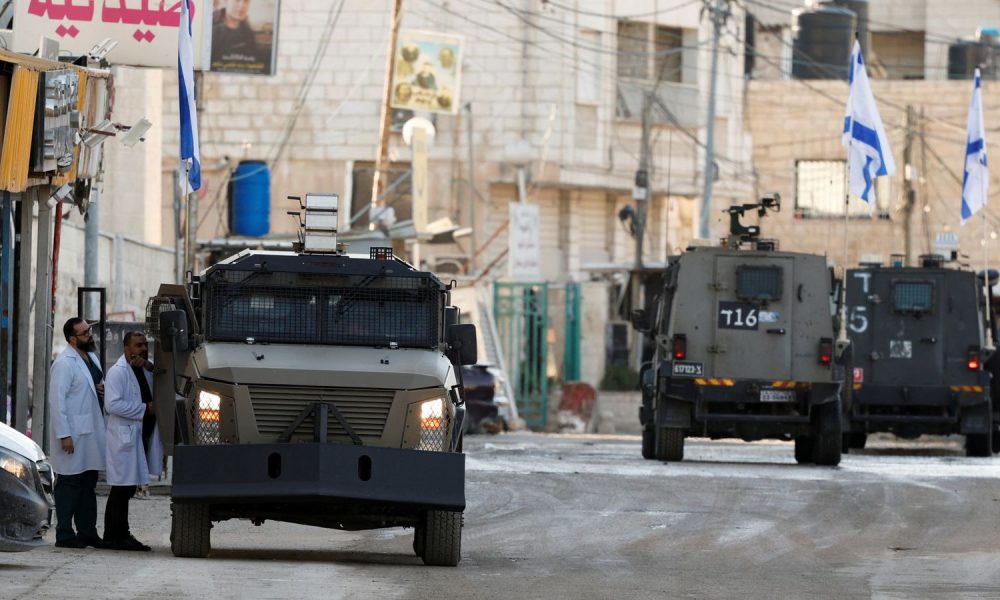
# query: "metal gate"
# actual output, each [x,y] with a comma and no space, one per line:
[571,349]
[521,311]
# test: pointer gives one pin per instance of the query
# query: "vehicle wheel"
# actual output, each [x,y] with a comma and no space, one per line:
[803,449]
[996,442]
[845,444]
[669,444]
[648,443]
[827,437]
[190,530]
[857,440]
[442,538]
[979,444]
[418,540]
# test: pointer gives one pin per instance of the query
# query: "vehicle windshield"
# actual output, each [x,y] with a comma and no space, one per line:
[322,309]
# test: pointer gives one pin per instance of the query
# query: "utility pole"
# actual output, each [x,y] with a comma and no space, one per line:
[91,244]
[386,123]
[909,194]
[719,16]
[471,190]
[640,193]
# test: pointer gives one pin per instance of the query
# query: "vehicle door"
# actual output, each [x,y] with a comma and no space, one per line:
[753,316]
[908,337]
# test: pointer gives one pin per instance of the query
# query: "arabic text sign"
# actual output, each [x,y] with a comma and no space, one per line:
[146,30]
[427,72]
[524,255]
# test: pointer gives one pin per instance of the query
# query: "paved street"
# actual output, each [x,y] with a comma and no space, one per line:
[586,517]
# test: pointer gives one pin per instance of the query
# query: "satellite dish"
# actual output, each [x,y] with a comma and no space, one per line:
[420,122]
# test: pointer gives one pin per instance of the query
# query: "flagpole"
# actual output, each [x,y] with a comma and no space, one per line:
[986,269]
[842,333]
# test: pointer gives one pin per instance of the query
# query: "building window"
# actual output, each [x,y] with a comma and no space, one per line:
[588,75]
[819,191]
[649,52]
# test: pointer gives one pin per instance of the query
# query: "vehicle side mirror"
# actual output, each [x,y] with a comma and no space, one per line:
[462,339]
[640,321]
[173,331]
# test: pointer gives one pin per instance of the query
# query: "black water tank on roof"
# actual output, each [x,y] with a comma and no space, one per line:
[965,56]
[860,10]
[824,36]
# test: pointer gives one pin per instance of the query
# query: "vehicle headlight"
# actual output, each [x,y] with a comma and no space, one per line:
[209,406]
[18,466]
[432,414]
[208,413]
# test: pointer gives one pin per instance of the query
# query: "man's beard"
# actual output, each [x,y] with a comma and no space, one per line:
[90,346]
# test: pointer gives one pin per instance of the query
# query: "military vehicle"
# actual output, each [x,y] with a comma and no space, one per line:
[314,387]
[918,337]
[744,348]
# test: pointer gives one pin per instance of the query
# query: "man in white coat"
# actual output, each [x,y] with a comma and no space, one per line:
[76,396]
[129,402]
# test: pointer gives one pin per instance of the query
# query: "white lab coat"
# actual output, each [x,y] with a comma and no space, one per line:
[74,412]
[128,462]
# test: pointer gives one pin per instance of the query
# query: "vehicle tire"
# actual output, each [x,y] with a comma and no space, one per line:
[648,443]
[828,438]
[803,449]
[190,530]
[418,540]
[857,440]
[996,442]
[979,444]
[442,538]
[670,444]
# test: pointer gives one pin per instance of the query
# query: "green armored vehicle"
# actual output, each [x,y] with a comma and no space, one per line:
[314,387]
[744,348]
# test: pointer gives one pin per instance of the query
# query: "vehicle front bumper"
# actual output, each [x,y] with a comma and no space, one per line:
[25,515]
[310,472]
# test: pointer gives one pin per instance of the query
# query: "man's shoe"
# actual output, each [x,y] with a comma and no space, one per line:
[71,543]
[94,541]
[127,543]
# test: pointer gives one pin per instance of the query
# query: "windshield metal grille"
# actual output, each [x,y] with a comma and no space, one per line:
[276,407]
[323,309]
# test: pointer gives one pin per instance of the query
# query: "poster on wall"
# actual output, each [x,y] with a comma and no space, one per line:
[427,72]
[245,36]
[143,33]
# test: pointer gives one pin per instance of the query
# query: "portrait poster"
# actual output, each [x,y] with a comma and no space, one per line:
[245,36]
[427,72]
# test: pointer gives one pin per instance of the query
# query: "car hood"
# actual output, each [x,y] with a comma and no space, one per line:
[13,439]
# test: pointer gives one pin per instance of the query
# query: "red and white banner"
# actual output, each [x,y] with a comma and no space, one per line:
[146,30]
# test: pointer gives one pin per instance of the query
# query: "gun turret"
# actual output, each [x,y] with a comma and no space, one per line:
[740,233]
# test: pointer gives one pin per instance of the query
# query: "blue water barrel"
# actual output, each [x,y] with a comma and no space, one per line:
[250,202]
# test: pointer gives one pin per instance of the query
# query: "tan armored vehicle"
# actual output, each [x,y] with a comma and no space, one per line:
[744,348]
[314,387]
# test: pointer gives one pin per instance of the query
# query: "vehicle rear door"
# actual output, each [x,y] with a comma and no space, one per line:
[908,331]
[753,315]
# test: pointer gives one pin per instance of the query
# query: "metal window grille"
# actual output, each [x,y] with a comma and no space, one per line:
[357,310]
[758,283]
[434,439]
[819,191]
[915,296]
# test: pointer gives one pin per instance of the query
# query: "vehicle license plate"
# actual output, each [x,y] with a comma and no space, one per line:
[777,396]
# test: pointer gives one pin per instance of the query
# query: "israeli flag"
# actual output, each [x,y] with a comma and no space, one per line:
[190,157]
[976,180]
[868,152]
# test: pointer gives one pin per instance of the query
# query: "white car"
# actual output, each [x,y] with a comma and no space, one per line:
[25,492]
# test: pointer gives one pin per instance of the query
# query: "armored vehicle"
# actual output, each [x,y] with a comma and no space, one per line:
[918,349]
[314,387]
[744,348]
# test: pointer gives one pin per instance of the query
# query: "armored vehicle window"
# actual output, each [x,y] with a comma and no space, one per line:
[758,283]
[355,310]
[913,296]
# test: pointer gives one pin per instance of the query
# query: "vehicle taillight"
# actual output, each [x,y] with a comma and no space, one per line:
[972,362]
[680,347]
[825,351]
